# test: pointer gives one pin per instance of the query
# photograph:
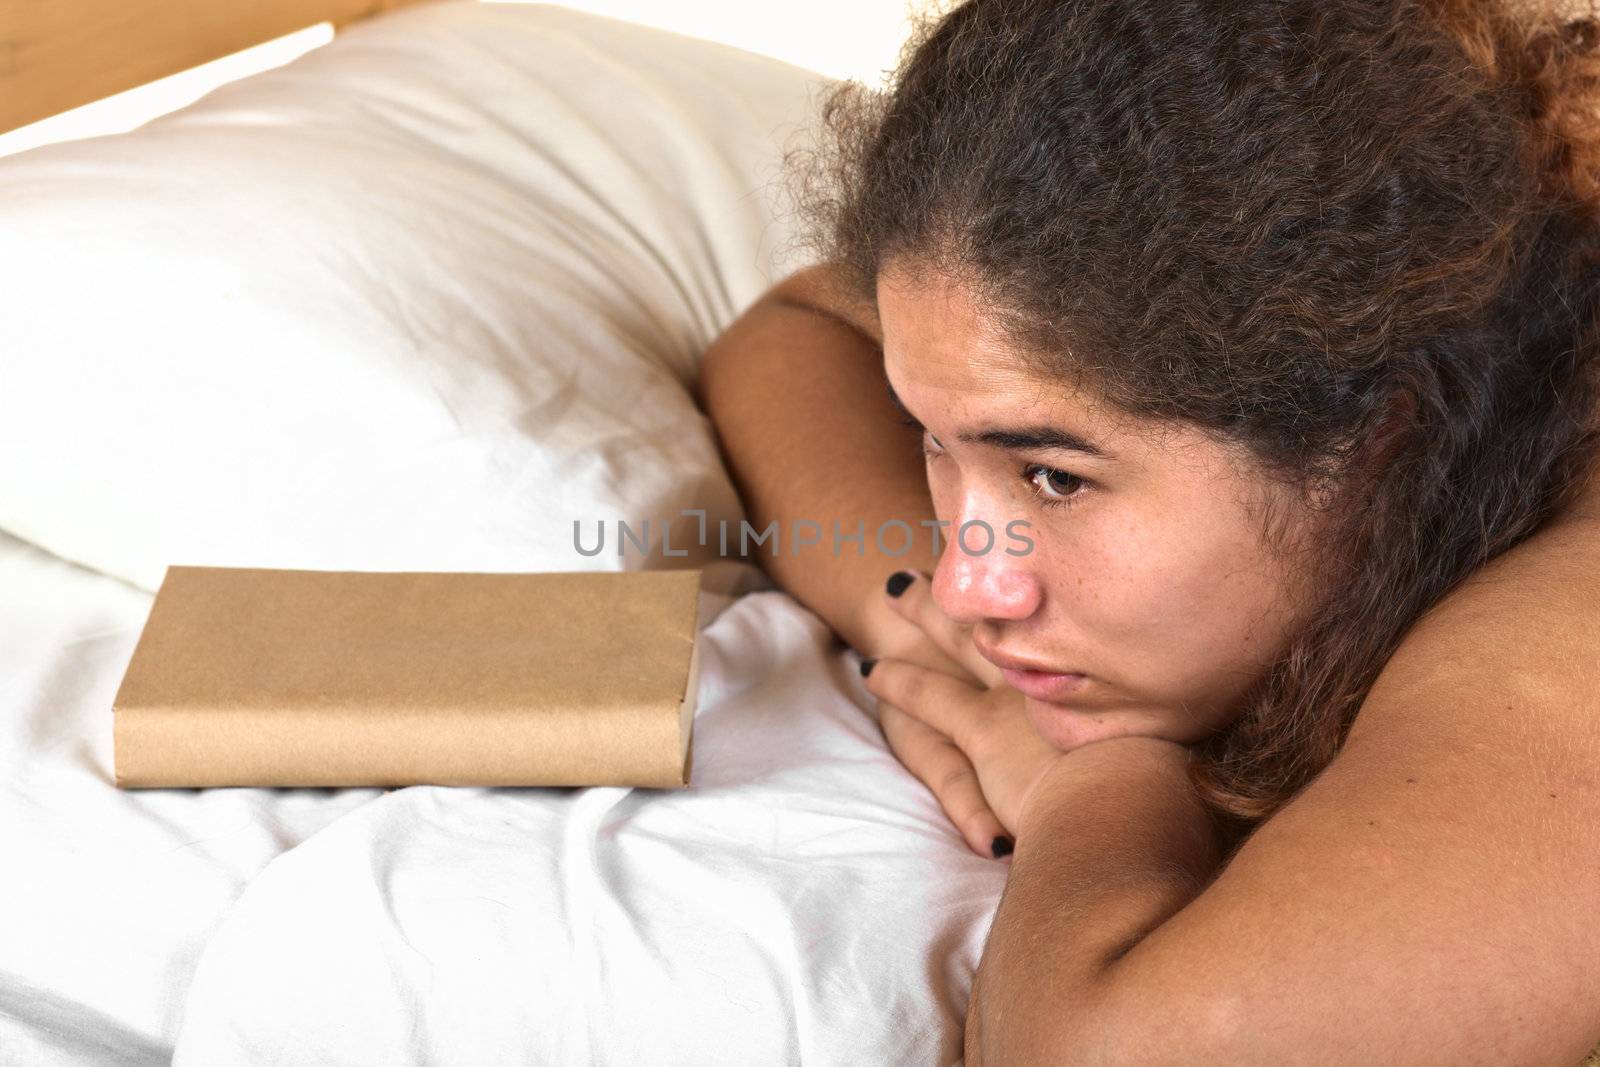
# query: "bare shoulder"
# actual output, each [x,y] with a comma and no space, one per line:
[1461,808]
[821,288]
[1443,870]
[1511,657]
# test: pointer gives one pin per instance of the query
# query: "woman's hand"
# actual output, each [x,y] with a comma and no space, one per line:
[964,735]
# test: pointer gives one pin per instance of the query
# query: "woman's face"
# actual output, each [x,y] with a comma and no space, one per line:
[1147,578]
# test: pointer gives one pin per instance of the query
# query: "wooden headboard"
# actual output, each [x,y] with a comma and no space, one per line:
[58,54]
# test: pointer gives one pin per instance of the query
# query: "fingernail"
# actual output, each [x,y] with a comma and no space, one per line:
[1002,846]
[898,582]
[867,665]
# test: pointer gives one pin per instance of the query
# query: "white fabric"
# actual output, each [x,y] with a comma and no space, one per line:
[108,896]
[418,300]
[804,901]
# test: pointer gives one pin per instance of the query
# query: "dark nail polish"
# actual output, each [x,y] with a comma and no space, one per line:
[1002,846]
[898,582]
[867,665]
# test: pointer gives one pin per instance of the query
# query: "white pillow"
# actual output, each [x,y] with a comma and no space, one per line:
[419,300]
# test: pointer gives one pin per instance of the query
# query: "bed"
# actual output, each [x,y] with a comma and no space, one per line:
[418,300]
[802,902]
[422,299]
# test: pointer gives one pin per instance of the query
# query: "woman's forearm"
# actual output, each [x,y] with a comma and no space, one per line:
[1113,842]
[803,416]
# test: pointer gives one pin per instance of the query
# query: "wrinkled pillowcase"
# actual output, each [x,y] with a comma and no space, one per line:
[421,299]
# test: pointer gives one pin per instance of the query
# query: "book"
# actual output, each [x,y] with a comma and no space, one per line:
[246,676]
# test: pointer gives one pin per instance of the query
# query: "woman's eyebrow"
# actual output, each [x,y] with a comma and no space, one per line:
[1017,438]
[1034,438]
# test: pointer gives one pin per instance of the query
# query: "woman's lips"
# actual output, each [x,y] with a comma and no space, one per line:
[1028,677]
[1042,685]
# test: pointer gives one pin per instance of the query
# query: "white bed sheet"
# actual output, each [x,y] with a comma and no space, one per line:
[108,896]
[804,901]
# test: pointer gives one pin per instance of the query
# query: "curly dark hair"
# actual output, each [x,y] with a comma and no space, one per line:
[1358,238]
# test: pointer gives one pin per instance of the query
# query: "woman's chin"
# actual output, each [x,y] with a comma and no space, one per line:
[1066,727]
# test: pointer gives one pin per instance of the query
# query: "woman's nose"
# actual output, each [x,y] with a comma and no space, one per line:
[978,579]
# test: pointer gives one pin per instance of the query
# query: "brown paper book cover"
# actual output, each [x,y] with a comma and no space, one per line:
[268,677]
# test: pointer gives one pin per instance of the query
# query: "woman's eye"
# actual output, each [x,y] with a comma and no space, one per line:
[1053,486]
[930,444]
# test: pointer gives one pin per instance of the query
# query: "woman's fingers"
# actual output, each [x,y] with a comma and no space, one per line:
[906,641]
[989,727]
[910,593]
[949,775]
[939,701]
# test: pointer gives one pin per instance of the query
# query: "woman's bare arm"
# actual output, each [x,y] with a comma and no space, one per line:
[796,391]
[1429,898]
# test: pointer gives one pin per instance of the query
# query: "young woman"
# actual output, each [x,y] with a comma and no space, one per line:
[1271,327]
